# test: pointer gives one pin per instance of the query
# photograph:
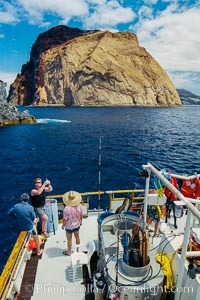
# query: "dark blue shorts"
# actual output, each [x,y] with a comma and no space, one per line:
[72,230]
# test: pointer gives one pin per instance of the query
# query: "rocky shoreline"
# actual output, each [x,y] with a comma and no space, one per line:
[9,115]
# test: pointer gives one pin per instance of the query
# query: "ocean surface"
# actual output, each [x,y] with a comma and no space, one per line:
[64,147]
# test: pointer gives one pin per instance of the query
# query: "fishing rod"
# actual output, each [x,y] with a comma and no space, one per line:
[117,255]
[99,182]
[99,195]
[52,218]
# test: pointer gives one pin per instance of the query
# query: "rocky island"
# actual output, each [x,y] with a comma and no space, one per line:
[188,98]
[73,67]
[9,114]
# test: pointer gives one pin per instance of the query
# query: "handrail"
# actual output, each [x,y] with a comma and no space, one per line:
[111,195]
[9,269]
[191,210]
[187,201]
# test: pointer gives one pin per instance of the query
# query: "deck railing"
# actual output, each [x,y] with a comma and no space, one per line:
[9,273]
[116,195]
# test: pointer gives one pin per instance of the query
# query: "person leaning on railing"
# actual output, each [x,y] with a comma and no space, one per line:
[24,214]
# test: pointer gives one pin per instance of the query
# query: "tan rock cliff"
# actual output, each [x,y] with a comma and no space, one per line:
[95,68]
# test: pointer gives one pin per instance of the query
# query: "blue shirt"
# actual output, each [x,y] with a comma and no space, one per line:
[25,215]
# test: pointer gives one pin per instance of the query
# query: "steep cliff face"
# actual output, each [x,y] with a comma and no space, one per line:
[92,68]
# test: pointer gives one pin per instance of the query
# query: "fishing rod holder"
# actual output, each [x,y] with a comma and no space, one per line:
[134,271]
[122,225]
[51,209]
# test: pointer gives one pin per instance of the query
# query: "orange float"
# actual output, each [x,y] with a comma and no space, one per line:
[31,243]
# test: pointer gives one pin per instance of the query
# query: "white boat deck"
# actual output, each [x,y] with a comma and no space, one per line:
[54,273]
[172,240]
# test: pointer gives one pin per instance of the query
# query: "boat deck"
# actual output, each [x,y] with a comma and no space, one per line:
[54,274]
[53,279]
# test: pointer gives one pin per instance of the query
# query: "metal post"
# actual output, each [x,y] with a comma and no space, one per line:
[146,197]
[183,255]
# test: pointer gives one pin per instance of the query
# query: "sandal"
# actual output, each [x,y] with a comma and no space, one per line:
[66,253]
[156,235]
[45,234]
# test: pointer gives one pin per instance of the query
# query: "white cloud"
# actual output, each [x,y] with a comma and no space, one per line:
[93,13]
[150,2]
[187,80]
[171,35]
[109,14]
[95,2]
[65,10]
[145,13]
[173,38]
[8,14]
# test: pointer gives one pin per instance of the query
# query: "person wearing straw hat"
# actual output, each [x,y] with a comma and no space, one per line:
[72,218]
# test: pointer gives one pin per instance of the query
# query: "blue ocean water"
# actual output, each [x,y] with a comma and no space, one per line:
[64,146]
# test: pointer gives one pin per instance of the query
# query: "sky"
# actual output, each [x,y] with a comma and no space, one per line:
[168,29]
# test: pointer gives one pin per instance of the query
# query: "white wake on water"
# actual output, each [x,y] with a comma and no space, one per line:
[45,120]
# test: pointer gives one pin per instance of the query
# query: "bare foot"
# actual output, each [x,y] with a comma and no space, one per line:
[40,252]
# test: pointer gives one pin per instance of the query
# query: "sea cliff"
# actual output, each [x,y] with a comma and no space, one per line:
[72,67]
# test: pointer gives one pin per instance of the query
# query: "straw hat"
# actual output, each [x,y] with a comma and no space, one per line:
[72,198]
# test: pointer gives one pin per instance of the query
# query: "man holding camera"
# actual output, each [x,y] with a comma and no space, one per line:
[38,202]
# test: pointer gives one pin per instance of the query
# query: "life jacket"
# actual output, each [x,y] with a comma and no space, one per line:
[169,194]
[197,189]
[188,188]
